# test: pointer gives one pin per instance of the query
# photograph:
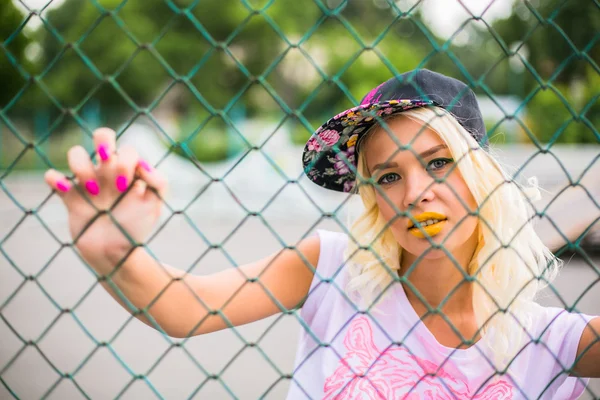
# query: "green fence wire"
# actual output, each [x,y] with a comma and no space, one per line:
[550,49]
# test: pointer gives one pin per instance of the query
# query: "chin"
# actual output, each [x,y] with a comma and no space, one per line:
[431,252]
[415,245]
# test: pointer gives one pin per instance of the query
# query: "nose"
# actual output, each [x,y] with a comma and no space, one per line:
[419,189]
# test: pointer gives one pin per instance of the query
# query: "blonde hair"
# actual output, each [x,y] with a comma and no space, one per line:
[510,265]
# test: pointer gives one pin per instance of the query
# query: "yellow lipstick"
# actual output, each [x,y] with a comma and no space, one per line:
[431,230]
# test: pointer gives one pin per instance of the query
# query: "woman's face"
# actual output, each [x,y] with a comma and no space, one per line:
[405,181]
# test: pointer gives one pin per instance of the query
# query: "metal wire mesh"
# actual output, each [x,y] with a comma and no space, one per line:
[332,87]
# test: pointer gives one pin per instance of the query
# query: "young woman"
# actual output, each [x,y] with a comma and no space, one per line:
[429,295]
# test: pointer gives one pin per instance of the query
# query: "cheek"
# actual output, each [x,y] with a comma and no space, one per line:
[386,210]
[389,214]
[388,202]
[462,202]
[470,205]
[462,190]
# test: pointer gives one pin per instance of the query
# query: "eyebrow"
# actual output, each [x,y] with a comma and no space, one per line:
[424,154]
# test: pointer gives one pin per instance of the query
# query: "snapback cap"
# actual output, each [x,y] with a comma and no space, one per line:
[332,147]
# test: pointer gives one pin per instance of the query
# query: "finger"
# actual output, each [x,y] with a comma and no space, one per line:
[57,182]
[105,140]
[153,177]
[139,187]
[126,167]
[83,168]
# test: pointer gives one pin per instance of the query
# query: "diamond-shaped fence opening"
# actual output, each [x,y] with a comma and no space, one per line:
[259,282]
[107,30]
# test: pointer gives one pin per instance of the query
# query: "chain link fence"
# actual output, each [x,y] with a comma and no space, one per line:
[176,77]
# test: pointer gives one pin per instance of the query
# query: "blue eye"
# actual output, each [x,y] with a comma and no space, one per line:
[384,180]
[440,163]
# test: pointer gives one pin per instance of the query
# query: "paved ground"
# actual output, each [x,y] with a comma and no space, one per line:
[69,341]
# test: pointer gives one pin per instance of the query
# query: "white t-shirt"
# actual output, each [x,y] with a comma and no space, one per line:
[399,358]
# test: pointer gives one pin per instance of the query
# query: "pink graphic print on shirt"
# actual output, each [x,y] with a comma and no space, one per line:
[396,374]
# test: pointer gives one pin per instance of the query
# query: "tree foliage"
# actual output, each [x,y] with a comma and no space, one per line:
[303,60]
[12,53]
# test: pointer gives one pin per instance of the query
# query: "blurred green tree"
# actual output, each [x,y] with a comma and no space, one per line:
[560,81]
[13,63]
[558,38]
[216,61]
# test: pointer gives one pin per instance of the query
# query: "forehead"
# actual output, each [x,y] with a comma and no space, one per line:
[380,145]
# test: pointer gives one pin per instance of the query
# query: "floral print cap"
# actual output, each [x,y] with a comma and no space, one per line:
[330,157]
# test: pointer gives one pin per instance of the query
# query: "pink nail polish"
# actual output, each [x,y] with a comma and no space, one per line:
[63,186]
[121,183]
[103,152]
[145,165]
[92,187]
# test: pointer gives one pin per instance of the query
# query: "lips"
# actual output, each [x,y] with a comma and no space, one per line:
[426,216]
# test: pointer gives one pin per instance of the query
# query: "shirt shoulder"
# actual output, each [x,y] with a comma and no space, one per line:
[329,269]
[559,330]
[556,333]
[332,246]
[555,321]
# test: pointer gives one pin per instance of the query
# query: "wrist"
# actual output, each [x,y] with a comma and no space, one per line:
[123,256]
[105,262]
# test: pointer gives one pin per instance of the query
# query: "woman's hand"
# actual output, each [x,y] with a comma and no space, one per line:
[108,199]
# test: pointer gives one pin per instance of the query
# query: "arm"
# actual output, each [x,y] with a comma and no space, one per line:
[175,298]
[588,352]
[133,191]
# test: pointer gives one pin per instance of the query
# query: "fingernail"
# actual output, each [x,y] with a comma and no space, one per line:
[145,165]
[103,152]
[121,183]
[92,187]
[63,186]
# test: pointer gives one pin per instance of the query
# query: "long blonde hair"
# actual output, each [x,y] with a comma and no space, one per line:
[510,265]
